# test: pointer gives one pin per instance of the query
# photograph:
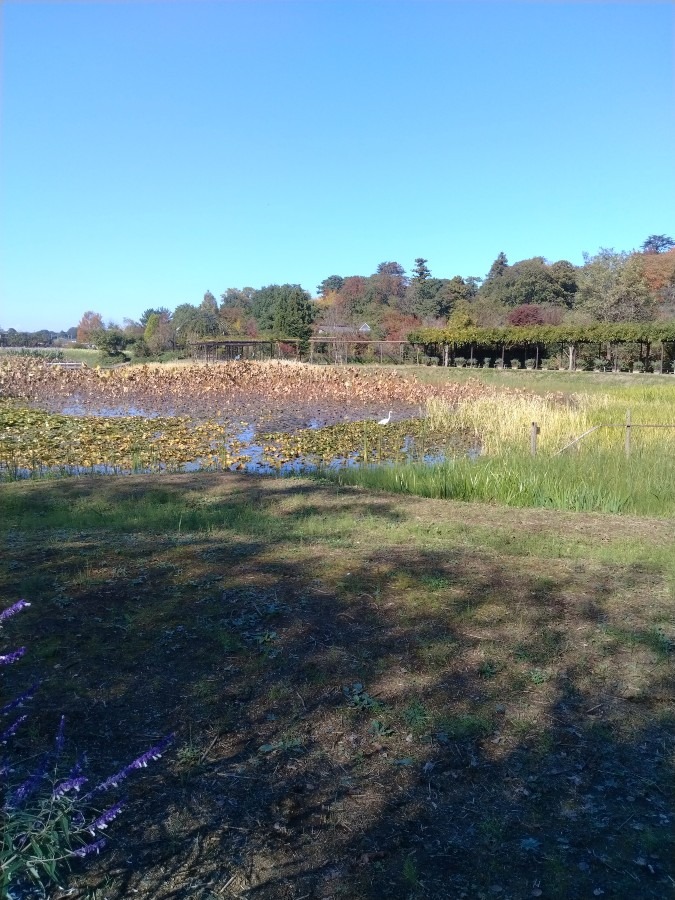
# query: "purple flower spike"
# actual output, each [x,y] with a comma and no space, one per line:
[20,700]
[12,730]
[113,781]
[12,657]
[152,753]
[24,791]
[60,736]
[105,818]
[96,847]
[13,610]
[71,784]
[140,763]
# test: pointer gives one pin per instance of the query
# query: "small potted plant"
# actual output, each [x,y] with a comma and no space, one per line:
[499,364]
[460,362]
[487,362]
[530,363]
[515,363]
[638,367]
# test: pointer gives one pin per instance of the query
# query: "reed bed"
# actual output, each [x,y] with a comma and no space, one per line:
[502,422]
[593,475]
[599,481]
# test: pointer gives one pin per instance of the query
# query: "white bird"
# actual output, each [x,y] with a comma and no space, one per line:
[387,420]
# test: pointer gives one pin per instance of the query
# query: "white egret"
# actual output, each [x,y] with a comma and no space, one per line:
[387,420]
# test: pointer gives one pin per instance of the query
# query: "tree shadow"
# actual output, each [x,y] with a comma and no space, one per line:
[363,720]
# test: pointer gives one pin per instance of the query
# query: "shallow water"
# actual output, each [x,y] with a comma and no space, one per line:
[281,442]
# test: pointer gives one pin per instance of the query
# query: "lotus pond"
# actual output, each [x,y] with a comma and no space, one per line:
[35,442]
[262,418]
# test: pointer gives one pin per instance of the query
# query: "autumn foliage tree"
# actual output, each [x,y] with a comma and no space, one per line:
[90,323]
[527,314]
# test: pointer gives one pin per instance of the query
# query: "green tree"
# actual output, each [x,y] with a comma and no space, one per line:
[498,267]
[209,304]
[332,283]
[657,243]
[613,288]
[235,298]
[110,341]
[532,281]
[293,313]
[151,327]
[421,272]
[266,301]
[163,313]
[387,286]
[394,269]
[190,322]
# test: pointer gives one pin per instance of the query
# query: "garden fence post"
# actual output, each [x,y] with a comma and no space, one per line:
[627,433]
[534,431]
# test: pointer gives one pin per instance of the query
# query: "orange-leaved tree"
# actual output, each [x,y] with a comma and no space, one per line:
[89,323]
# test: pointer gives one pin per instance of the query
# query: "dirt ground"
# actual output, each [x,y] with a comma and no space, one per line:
[373,696]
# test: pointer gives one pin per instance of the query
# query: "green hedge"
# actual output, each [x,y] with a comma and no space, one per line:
[548,335]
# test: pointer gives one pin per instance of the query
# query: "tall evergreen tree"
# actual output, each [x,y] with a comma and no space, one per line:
[293,313]
[498,267]
[332,283]
[421,271]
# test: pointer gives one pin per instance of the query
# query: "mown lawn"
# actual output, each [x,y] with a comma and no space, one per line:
[374,695]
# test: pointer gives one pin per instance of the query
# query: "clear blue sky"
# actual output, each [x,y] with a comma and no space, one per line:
[152,151]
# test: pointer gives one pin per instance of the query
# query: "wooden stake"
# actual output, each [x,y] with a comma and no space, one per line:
[627,434]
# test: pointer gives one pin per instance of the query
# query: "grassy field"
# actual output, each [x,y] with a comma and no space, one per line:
[374,695]
[592,474]
[90,357]
[539,381]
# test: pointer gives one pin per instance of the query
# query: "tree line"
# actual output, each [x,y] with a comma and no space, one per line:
[611,286]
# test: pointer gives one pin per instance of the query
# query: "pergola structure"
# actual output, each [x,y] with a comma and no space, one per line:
[241,348]
[314,350]
[341,350]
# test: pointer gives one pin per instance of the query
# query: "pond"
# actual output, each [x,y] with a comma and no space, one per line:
[34,441]
[243,417]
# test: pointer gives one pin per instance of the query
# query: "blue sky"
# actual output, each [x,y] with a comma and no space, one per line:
[152,151]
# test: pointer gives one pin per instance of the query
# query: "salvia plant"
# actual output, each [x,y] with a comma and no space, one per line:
[50,816]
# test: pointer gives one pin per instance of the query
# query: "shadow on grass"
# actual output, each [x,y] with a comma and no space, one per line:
[357,715]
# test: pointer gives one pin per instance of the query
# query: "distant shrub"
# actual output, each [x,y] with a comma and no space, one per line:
[527,314]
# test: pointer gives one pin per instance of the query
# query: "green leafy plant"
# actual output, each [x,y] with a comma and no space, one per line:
[415,716]
[379,729]
[358,697]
